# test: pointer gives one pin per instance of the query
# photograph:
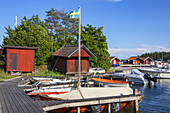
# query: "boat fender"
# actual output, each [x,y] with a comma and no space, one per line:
[96,108]
[116,106]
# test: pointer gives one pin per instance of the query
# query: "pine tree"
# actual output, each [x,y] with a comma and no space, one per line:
[63,30]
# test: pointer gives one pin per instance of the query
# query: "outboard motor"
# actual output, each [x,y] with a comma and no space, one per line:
[150,78]
[96,108]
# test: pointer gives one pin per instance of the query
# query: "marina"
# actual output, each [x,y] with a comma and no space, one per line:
[15,100]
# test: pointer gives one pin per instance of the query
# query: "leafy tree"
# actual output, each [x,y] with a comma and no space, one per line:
[95,41]
[63,30]
[31,33]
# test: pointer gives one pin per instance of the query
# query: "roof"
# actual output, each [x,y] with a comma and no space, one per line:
[19,47]
[132,58]
[145,58]
[68,51]
[112,58]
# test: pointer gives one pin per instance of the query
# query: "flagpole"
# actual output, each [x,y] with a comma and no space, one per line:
[16,21]
[79,73]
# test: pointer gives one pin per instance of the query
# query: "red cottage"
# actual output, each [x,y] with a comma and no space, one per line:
[66,59]
[146,60]
[134,60]
[114,61]
[19,58]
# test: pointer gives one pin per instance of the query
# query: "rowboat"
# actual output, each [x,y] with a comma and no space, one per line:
[49,91]
[90,93]
[109,83]
[51,80]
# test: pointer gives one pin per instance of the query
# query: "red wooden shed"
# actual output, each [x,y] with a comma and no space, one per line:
[19,58]
[66,59]
[146,60]
[114,61]
[134,60]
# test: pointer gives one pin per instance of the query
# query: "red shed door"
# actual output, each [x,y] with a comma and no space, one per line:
[13,61]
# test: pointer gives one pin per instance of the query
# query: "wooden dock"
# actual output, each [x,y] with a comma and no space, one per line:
[52,105]
[15,100]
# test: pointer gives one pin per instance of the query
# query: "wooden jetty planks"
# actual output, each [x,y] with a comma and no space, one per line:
[9,99]
[15,100]
[22,107]
[3,108]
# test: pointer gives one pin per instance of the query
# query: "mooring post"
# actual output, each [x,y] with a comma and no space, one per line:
[136,106]
[78,109]
[109,108]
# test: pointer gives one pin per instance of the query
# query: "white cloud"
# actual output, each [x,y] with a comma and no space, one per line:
[126,53]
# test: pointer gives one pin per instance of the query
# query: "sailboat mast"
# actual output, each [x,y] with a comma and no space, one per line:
[79,53]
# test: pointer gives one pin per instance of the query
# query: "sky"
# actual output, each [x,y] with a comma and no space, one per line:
[132,27]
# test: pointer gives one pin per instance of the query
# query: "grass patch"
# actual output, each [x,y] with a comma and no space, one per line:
[41,71]
[3,74]
[47,73]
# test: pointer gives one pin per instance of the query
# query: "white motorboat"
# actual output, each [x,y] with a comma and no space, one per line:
[97,70]
[157,72]
[136,77]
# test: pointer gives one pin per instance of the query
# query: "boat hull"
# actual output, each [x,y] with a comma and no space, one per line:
[157,73]
[50,91]
[110,83]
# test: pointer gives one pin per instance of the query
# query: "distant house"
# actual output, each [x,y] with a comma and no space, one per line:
[134,60]
[66,59]
[19,58]
[114,61]
[146,60]
[140,60]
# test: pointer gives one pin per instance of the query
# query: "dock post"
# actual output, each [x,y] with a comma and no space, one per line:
[78,109]
[136,106]
[109,108]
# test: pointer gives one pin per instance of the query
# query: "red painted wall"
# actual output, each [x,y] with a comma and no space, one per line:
[85,64]
[25,60]
[116,61]
[70,65]
[83,54]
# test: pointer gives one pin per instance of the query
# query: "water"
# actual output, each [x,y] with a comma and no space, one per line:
[156,99]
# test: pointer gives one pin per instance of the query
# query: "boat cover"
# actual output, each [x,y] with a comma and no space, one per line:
[136,72]
[94,92]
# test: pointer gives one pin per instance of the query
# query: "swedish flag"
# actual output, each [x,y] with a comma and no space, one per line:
[73,14]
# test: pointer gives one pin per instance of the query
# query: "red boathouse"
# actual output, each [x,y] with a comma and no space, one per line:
[114,61]
[66,59]
[19,58]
